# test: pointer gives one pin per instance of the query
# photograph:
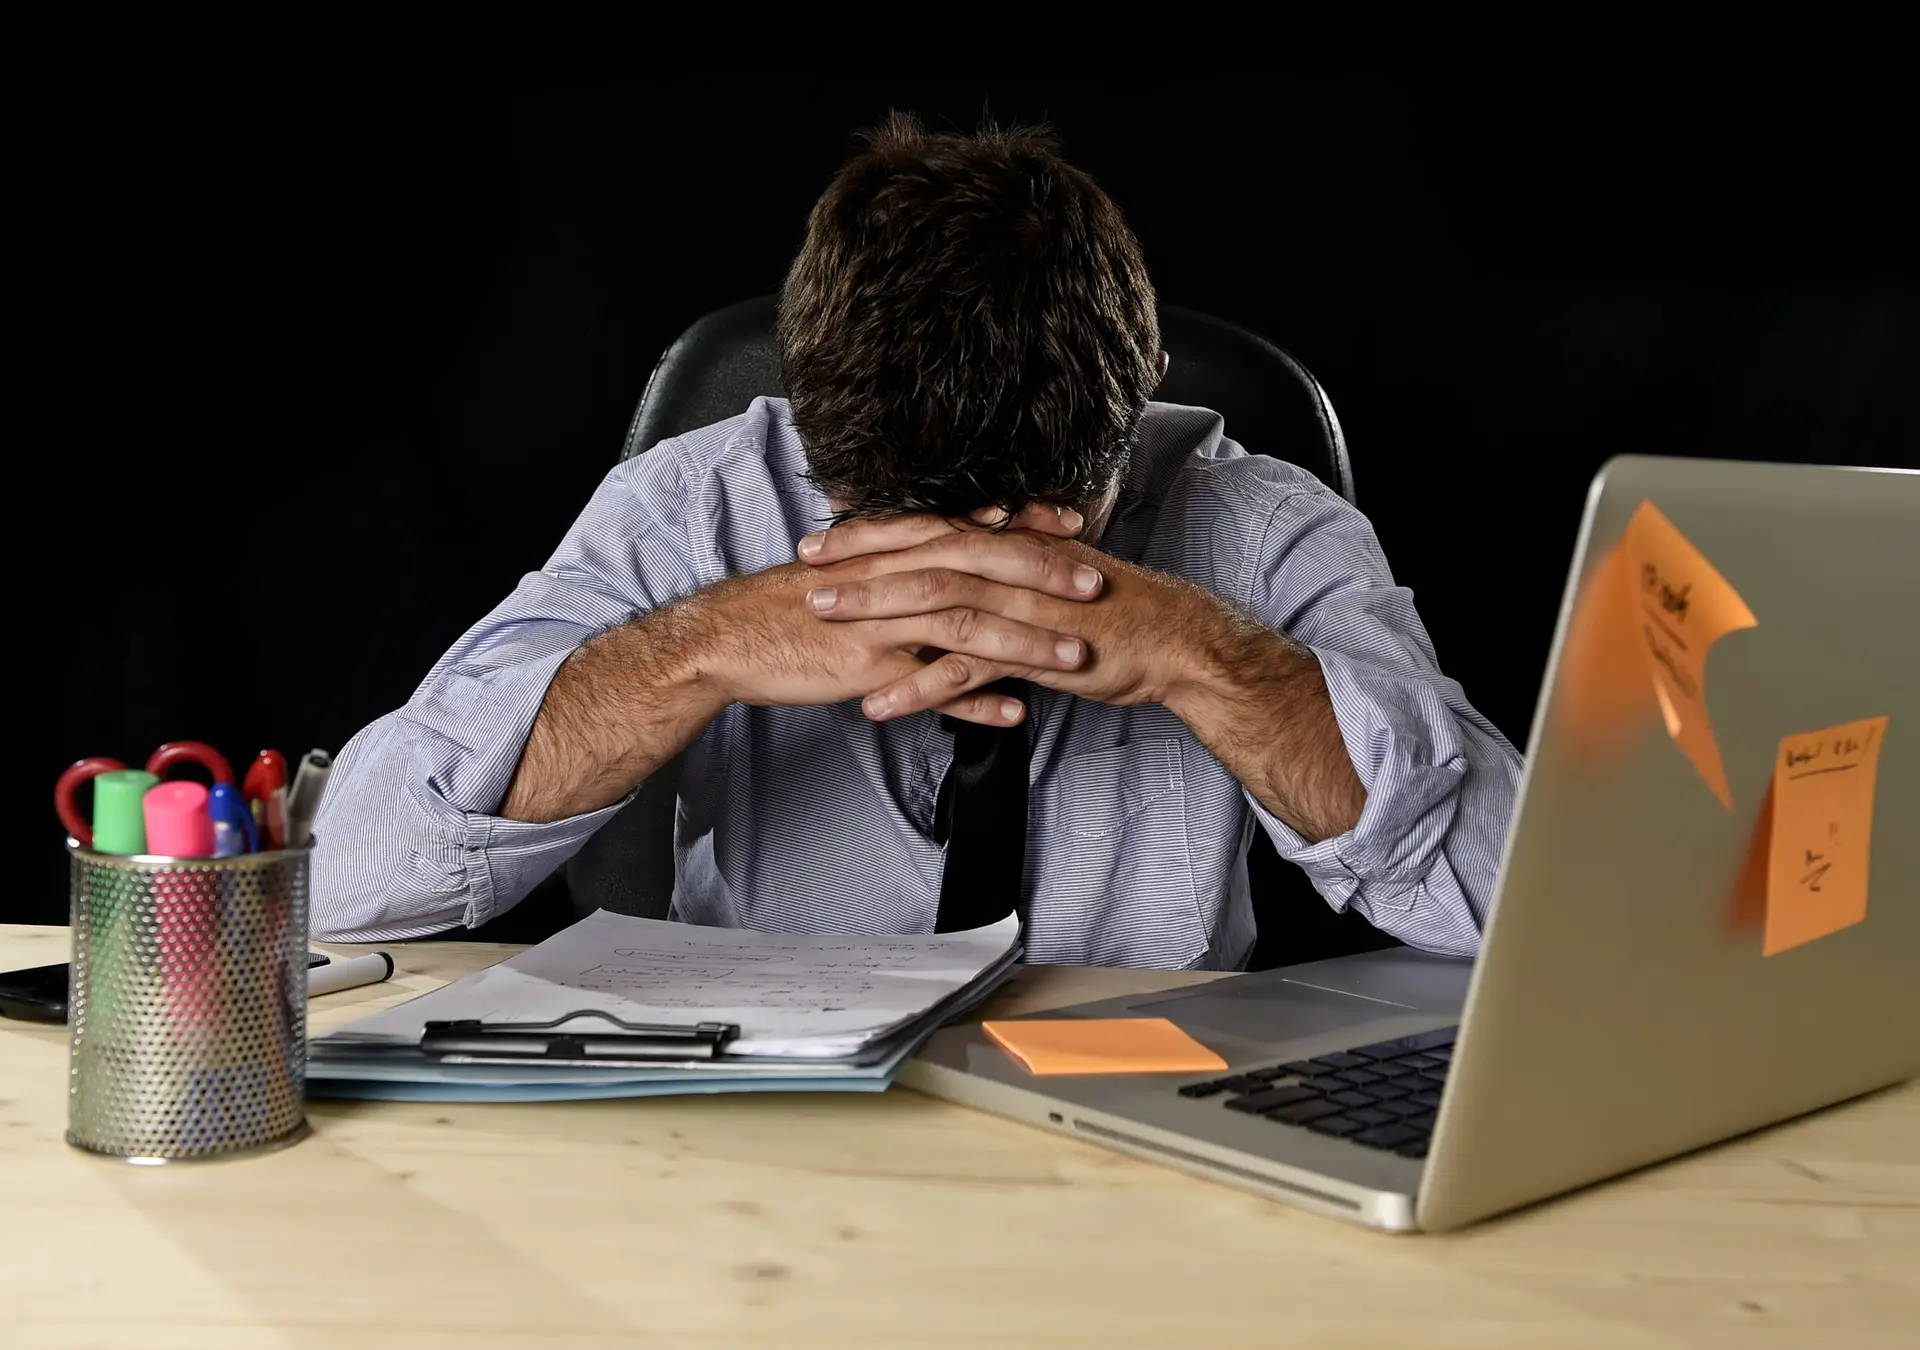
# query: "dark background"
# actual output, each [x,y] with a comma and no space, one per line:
[352,355]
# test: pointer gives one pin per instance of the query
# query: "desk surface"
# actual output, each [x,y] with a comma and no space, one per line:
[890,1221]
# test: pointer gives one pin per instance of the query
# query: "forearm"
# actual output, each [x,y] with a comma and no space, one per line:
[626,702]
[418,831]
[1259,702]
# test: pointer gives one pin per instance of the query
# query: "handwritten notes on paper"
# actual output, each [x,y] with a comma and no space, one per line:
[1821,828]
[1102,1045]
[1652,609]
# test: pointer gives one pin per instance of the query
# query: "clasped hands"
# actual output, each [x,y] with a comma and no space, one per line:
[910,613]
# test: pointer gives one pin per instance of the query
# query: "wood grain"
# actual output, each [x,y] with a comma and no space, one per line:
[890,1221]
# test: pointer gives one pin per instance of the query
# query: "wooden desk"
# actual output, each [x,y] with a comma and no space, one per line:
[891,1221]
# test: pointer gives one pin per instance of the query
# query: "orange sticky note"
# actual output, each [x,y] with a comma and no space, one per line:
[1821,830]
[1642,626]
[1103,1045]
[1682,607]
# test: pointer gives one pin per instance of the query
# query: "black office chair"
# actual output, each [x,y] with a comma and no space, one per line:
[1271,404]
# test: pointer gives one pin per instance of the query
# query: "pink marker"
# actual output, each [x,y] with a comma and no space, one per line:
[178,825]
[185,902]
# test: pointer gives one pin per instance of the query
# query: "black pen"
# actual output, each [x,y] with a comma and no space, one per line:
[303,797]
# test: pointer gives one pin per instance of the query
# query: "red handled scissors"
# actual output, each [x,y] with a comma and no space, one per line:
[66,791]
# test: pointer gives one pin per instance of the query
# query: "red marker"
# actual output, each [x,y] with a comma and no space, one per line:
[265,788]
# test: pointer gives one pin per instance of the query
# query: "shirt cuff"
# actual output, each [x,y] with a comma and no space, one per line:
[505,858]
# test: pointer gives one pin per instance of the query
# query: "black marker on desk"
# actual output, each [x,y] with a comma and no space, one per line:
[349,972]
[303,797]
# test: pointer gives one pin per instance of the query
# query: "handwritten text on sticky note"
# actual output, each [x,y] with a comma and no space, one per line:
[1682,607]
[1650,611]
[1822,826]
[1102,1045]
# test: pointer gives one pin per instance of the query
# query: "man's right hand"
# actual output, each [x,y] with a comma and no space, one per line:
[758,642]
[633,697]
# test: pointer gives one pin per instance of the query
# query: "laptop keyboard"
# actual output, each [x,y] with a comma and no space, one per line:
[1384,1096]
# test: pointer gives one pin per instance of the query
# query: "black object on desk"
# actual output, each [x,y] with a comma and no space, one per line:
[633,1041]
[39,993]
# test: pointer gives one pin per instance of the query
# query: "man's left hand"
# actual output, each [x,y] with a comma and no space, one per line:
[1146,633]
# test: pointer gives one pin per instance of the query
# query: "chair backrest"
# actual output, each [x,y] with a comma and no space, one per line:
[1272,404]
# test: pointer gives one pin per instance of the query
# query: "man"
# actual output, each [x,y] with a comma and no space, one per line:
[966,580]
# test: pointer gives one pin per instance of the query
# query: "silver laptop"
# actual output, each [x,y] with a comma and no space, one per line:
[1621,1011]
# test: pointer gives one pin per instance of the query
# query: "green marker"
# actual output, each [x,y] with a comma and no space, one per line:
[119,822]
[119,826]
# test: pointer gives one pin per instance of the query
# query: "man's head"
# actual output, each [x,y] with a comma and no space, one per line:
[968,324]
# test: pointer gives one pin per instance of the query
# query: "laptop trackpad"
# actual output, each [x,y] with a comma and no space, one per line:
[1271,1010]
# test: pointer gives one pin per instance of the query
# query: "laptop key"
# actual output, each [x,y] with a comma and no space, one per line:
[1382,1050]
[1358,1077]
[1423,1122]
[1429,1040]
[1302,1068]
[1335,1125]
[1206,1089]
[1302,1112]
[1431,1100]
[1442,1053]
[1340,1059]
[1416,1149]
[1418,1061]
[1257,1103]
[1368,1115]
[1404,1107]
[1326,1083]
[1391,1135]
[1265,1075]
[1390,1090]
[1351,1097]
[1436,1078]
[1240,1082]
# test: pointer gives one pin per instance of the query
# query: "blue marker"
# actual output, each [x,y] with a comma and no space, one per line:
[232,821]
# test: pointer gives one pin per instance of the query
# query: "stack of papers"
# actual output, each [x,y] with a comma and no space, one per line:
[815,1012]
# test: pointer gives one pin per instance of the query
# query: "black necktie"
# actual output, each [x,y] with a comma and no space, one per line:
[981,816]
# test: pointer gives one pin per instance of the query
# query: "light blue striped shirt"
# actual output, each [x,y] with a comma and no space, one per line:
[817,820]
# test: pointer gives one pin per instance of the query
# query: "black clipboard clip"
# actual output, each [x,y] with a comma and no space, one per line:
[633,1041]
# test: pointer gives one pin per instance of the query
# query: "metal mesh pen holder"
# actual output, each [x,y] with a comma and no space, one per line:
[188,1016]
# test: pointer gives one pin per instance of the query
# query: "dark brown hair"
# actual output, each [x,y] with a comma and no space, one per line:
[969,323]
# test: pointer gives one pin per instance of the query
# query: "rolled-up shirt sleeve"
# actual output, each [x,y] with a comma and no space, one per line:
[1441,779]
[408,841]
